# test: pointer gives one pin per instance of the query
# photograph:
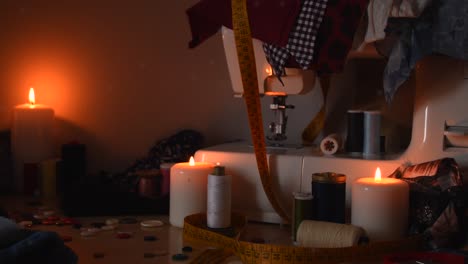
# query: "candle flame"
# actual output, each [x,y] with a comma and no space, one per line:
[192,161]
[378,175]
[32,97]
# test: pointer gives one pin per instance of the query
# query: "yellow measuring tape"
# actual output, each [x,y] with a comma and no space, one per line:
[195,232]
[313,129]
[245,54]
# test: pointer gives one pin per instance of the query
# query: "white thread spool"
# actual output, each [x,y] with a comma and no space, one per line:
[327,234]
[331,144]
[219,199]
[371,134]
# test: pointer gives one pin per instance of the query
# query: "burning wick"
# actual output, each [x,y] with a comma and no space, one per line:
[32,97]
[378,175]
[191,161]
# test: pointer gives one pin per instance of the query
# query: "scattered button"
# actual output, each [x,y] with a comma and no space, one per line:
[150,238]
[108,227]
[128,220]
[179,257]
[98,255]
[112,221]
[187,249]
[87,234]
[151,223]
[69,221]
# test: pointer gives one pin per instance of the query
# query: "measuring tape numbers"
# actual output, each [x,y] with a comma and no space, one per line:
[223,246]
[246,57]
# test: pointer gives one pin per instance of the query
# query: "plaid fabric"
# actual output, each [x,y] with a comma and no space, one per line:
[301,40]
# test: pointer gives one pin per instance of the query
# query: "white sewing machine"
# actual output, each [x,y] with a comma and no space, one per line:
[437,127]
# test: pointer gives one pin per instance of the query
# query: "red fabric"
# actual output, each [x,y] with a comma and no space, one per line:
[270,20]
[336,34]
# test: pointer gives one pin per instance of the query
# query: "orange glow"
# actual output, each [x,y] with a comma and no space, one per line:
[275,93]
[32,97]
[192,161]
[378,175]
[268,70]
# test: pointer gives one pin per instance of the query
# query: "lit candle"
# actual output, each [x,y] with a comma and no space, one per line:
[380,206]
[188,190]
[32,136]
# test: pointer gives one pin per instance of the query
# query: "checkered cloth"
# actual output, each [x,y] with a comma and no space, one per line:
[301,39]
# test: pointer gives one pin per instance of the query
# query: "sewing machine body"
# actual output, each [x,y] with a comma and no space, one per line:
[439,129]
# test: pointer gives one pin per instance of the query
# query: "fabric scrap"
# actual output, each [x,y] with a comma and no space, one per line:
[271,20]
[336,33]
[441,29]
[301,40]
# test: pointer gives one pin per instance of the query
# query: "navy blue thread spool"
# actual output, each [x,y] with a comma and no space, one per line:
[355,132]
[329,191]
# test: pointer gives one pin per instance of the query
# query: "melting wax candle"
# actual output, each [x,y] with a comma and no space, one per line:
[380,206]
[188,190]
[32,136]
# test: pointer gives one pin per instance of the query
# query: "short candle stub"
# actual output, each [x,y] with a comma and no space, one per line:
[219,171]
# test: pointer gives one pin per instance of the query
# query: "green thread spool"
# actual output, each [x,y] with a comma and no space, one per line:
[302,210]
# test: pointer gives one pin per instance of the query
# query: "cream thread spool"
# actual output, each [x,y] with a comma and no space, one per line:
[328,235]
[331,144]
[219,199]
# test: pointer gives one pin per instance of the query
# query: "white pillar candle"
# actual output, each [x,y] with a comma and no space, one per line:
[380,207]
[188,190]
[32,136]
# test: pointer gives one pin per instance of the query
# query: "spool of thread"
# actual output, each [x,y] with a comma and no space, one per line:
[49,178]
[371,134]
[328,235]
[149,183]
[329,190]
[331,144]
[302,210]
[355,132]
[166,178]
[219,199]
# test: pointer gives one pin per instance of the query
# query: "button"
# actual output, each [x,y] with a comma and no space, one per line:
[112,221]
[109,227]
[123,235]
[151,223]
[179,257]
